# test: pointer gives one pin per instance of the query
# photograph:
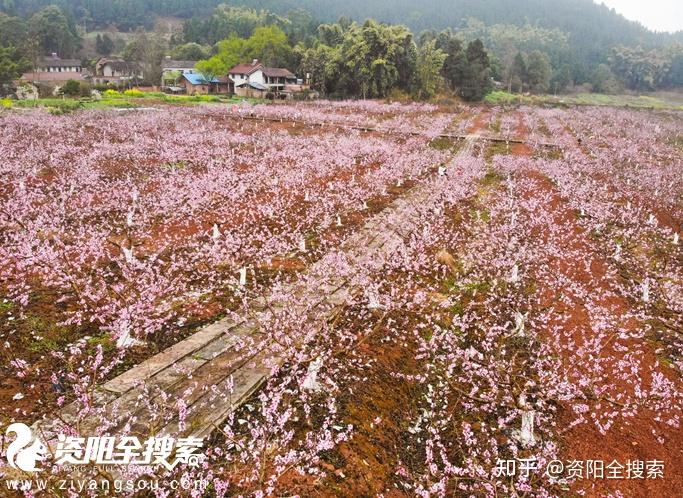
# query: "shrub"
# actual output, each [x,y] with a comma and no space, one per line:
[85,89]
[208,98]
[112,94]
[65,107]
[5,103]
[398,95]
[44,90]
[134,92]
[71,88]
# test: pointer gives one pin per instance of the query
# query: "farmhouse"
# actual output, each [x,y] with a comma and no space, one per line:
[255,80]
[115,71]
[197,84]
[172,71]
[54,70]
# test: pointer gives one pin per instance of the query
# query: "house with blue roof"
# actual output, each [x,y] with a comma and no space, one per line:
[196,84]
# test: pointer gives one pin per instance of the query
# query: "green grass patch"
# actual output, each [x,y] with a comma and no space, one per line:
[472,288]
[550,152]
[500,97]
[442,143]
[480,215]
[65,107]
[51,335]
[126,100]
[496,149]
[176,165]
[105,340]
[455,285]
[676,141]
[492,177]
[457,309]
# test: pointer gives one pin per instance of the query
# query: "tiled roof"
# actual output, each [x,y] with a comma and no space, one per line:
[52,76]
[278,72]
[245,68]
[173,64]
[198,79]
[121,66]
[254,85]
[54,61]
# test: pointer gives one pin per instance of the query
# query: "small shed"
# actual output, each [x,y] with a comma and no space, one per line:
[251,89]
[225,85]
[196,84]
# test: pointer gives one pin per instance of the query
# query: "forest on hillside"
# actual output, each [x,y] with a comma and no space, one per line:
[587,22]
[539,47]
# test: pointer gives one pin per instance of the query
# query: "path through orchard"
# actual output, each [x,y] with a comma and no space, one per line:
[219,367]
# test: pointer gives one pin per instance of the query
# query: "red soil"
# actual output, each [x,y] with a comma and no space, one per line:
[481,122]
[631,439]
[379,409]
[521,149]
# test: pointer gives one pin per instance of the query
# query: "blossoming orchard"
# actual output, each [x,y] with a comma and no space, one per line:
[341,299]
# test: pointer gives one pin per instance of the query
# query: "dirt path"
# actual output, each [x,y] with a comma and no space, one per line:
[521,149]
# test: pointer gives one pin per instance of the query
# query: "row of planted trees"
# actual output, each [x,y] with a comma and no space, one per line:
[366,60]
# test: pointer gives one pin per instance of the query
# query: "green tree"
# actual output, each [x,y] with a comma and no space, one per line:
[561,79]
[229,53]
[640,69]
[148,51]
[10,67]
[54,31]
[190,52]
[320,65]
[375,58]
[603,80]
[430,60]
[674,75]
[104,44]
[477,78]
[300,25]
[456,59]
[538,72]
[504,41]
[13,31]
[71,88]
[517,73]
[227,21]
[270,46]
[331,34]
[171,78]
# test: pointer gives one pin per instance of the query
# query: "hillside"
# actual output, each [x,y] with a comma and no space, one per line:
[581,18]
[588,24]
[591,28]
